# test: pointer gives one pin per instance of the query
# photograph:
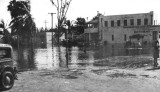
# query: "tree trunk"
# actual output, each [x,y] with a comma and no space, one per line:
[21,61]
[31,62]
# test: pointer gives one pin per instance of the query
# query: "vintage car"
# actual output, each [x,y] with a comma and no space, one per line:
[7,68]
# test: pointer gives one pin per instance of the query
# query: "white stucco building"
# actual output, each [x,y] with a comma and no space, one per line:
[121,28]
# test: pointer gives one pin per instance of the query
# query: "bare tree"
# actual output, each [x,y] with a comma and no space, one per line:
[62,7]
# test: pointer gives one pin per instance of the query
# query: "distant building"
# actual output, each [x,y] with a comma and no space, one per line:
[122,28]
[44,39]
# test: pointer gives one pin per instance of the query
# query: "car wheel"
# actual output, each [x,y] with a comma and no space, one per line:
[7,80]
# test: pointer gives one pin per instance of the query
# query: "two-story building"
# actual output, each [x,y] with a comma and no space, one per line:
[122,28]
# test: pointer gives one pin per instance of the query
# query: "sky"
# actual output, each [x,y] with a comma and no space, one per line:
[84,9]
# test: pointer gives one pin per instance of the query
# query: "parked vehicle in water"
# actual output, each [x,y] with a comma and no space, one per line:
[7,68]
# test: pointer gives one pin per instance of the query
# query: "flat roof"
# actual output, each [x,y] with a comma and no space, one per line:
[151,12]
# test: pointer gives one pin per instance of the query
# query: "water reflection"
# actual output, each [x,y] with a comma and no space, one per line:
[25,62]
[52,58]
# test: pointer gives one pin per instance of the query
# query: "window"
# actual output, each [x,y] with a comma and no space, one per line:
[125,37]
[106,23]
[145,21]
[154,35]
[125,22]
[131,22]
[112,23]
[112,37]
[101,22]
[5,53]
[118,23]
[138,21]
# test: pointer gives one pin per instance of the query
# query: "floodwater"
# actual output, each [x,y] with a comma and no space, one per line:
[52,57]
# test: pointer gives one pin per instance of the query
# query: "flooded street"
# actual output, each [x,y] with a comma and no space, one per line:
[50,58]
[107,68]
[100,69]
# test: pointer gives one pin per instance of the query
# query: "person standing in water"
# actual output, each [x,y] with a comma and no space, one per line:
[155,52]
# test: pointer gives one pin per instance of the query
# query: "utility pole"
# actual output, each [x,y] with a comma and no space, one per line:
[52,26]
[45,22]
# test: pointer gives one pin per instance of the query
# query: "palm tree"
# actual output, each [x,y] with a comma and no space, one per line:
[22,25]
[7,36]
[22,21]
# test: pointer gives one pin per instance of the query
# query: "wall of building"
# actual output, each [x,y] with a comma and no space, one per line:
[116,35]
[118,28]
[48,37]
[122,34]
[44,39]
[128,18]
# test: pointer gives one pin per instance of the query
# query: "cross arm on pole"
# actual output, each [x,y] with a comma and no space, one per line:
[52,19]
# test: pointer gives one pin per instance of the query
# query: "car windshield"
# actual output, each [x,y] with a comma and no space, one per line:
[5,53]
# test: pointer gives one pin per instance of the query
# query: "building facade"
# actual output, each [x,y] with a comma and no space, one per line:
[122,28]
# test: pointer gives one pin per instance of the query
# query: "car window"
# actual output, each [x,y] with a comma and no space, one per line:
[5,53]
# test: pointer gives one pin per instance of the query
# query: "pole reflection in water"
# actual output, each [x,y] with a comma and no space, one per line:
[47,58]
